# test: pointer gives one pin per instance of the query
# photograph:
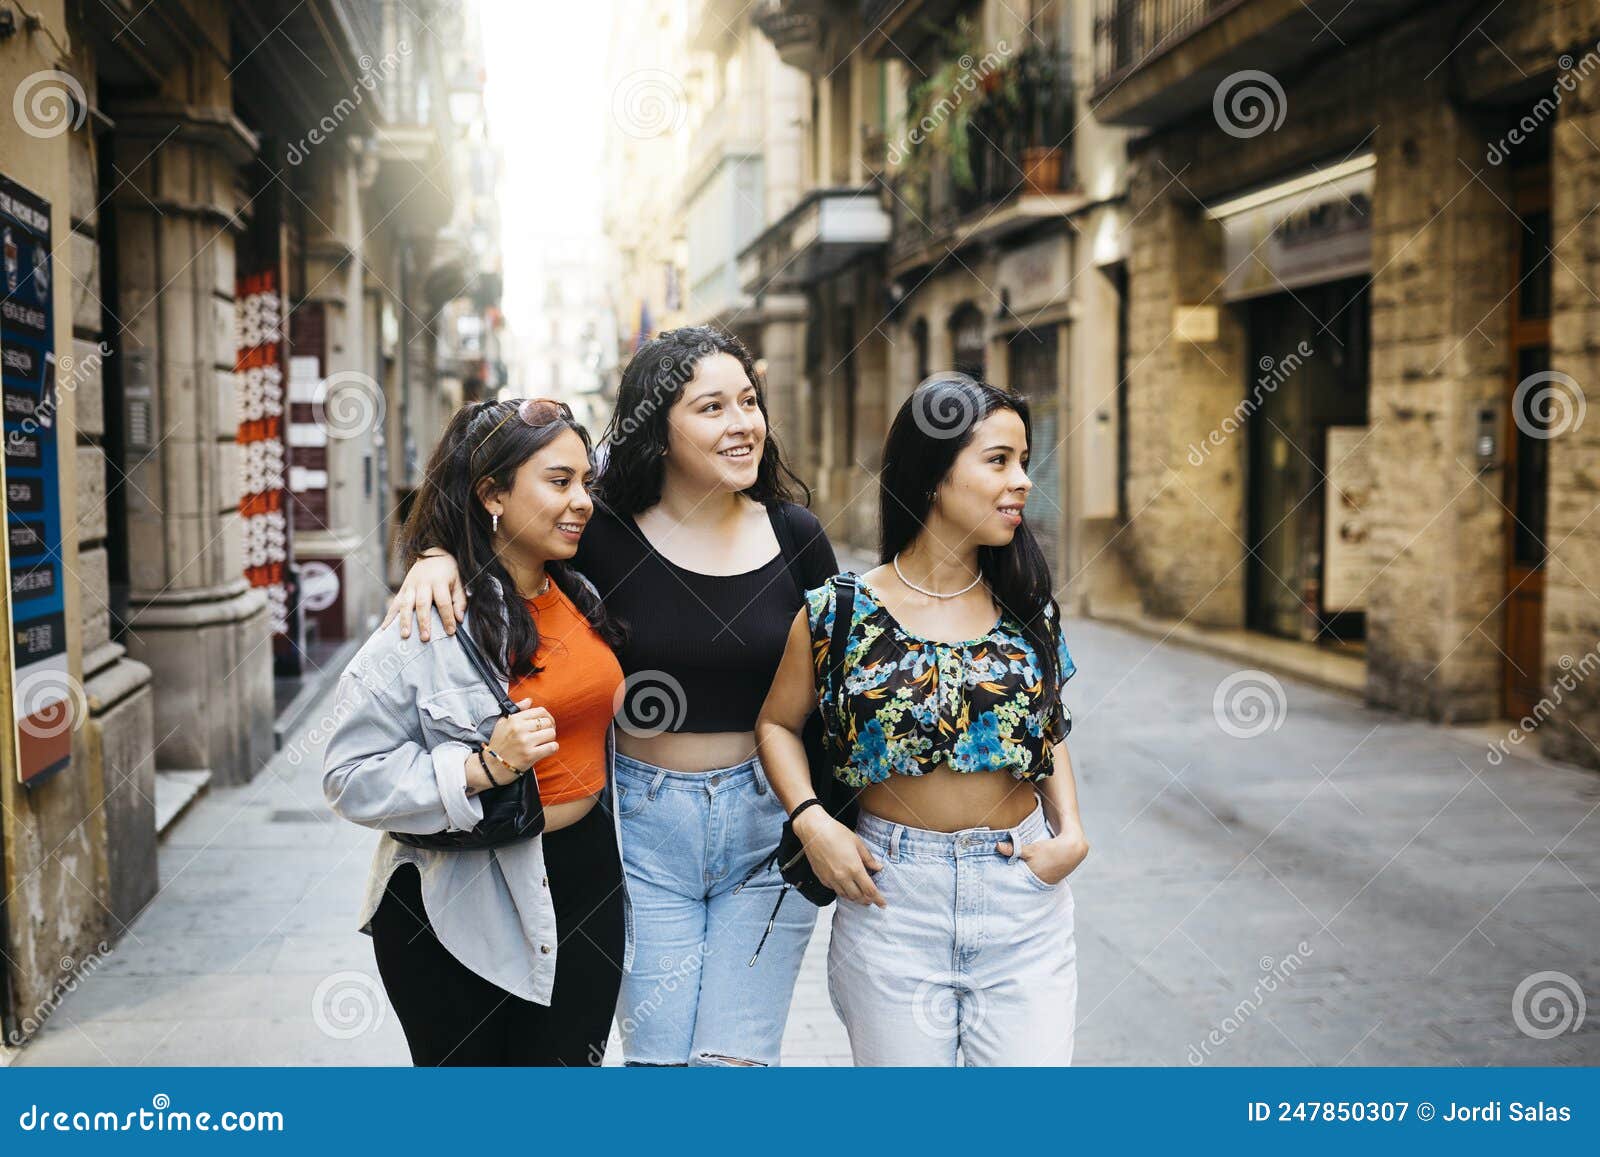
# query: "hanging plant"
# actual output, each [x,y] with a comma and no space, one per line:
[944,107]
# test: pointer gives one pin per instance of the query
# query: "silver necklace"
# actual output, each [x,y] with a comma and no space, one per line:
[925,591]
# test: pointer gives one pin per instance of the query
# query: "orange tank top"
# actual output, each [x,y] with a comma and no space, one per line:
[578,686]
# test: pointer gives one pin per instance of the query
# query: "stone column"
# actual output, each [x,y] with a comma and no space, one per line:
[783,346]
[117,689]
[871,357]
[193,618]
[1185,532]
[1442,247]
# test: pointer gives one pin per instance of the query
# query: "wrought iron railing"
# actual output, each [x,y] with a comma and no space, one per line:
[1129,32]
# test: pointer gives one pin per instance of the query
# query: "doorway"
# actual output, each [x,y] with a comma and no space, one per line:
[1307,395]
[1527,441]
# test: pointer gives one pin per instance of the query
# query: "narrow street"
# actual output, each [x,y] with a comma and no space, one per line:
[1348,887]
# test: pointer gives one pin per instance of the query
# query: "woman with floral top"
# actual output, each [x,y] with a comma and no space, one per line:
[956,934]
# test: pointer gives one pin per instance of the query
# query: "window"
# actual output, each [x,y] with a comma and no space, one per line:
[968,345]
[919,345]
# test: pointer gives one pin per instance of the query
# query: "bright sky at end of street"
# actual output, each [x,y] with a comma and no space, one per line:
[546,98]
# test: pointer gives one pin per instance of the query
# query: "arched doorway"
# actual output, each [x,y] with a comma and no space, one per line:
[968,344]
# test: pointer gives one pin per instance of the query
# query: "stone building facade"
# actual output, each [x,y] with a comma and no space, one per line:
[1010,271]
[249,215]
[1361,286]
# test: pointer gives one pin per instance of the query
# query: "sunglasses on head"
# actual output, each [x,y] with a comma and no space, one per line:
[533,412]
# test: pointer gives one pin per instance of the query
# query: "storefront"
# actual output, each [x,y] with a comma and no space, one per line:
[1299,260]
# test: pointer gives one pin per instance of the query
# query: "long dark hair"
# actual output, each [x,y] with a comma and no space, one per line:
[488,440]
[933,426]
[637,433]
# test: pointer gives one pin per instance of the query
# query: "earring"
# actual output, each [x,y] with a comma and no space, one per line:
[494,527]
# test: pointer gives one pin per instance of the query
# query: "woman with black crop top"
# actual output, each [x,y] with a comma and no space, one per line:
[698,551]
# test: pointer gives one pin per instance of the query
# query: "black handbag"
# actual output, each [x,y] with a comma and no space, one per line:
[512,812]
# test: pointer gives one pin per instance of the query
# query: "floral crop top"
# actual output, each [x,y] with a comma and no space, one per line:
[911,704]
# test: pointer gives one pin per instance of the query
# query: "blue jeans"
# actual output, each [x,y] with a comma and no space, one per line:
[974,955]
[692,996]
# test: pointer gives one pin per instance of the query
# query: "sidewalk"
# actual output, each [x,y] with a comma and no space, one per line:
[1425,884]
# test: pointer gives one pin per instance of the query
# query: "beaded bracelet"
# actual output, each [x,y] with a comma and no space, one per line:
[484,763]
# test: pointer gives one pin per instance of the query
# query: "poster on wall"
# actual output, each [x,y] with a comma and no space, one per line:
[46,701]
[1347,566]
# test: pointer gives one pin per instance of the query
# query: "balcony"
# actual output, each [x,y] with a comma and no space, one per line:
[897,27]
[795,28]
[827,231]
[1157,61]
[1014,170]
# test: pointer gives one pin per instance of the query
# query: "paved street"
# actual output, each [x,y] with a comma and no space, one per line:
[1348,887]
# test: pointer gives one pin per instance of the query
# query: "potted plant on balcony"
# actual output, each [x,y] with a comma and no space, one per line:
[963,92]
[1041,94]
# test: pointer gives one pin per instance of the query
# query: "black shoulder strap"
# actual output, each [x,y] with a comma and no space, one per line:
[844,610]
[463,636]
[778,514]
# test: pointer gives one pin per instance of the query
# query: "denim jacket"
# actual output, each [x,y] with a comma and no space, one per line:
[408,713]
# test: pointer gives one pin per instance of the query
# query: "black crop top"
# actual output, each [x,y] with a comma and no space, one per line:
[701,649]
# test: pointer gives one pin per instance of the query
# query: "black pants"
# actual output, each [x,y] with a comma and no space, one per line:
[453,1016]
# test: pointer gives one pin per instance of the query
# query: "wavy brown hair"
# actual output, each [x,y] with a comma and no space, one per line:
[637,434]
[485,440]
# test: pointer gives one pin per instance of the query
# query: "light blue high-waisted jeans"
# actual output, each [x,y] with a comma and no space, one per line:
[692,996]
[974,955]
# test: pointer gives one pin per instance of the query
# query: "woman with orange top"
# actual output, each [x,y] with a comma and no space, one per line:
[513,954]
